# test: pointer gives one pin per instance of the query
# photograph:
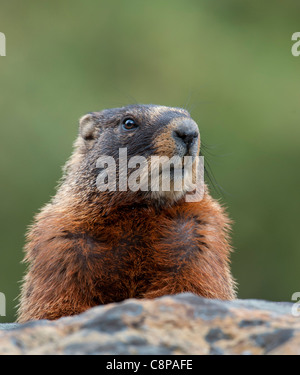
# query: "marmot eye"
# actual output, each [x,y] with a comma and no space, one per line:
[129,124]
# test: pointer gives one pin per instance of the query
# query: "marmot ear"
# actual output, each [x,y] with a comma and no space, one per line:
[88,127]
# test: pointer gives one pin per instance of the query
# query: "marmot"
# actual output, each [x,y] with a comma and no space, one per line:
[89,247]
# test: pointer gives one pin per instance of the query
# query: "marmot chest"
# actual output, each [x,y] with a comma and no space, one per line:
[140,243]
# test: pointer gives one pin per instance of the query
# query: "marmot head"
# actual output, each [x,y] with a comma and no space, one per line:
[157,134]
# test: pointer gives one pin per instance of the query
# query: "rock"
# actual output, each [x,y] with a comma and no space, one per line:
[181,324]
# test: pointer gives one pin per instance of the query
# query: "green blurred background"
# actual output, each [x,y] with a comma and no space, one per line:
[228,61]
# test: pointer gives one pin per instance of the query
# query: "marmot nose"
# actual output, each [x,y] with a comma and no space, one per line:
[186,132]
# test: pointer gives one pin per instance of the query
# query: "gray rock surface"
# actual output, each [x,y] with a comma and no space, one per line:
[182,324]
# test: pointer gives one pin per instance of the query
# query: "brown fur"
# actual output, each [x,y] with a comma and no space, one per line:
[88,248]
